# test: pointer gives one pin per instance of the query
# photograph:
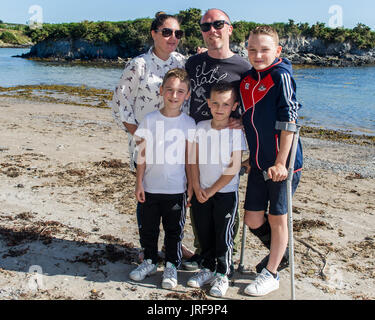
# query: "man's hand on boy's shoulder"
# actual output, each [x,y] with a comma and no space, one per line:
[235,123]
[278,172]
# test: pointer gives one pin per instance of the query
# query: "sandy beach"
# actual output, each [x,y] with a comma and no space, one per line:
[67,214]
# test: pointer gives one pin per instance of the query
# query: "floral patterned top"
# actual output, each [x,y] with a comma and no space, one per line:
[138,92]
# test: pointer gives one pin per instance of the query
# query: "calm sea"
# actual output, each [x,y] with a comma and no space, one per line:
[333,98]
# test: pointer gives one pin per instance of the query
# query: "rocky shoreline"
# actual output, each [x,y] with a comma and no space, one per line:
[313,51]
[300,51]
[15,46]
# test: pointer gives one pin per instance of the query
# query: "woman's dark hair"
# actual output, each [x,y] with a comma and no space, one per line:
[160,18]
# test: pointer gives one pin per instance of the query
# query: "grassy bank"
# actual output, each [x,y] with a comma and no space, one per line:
[14,35]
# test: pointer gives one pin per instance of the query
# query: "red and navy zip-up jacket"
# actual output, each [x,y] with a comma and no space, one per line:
[268,96]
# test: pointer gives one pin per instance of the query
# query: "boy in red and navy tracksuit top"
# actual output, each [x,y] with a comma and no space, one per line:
[268,95]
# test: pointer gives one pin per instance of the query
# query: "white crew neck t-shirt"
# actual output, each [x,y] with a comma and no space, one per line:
[165,151]
[215,150]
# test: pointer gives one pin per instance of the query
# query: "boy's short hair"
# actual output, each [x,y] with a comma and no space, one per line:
[267,30]
[221,87]
[178,73]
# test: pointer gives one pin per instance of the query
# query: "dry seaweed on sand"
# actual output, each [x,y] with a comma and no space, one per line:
[73,95]
[197,294]
[110,253]
[308,224]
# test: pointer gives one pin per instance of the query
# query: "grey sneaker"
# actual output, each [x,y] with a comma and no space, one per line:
[220,285]
[146,268]
[263,284]
[200,278]
[193,263]
[169,276]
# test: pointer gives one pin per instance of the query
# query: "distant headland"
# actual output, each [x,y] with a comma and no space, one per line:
[115,42]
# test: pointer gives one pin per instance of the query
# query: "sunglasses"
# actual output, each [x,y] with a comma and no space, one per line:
[218,24]
[166,32]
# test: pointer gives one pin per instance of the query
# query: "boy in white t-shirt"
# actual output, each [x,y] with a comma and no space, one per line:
[163,139]
[215,181]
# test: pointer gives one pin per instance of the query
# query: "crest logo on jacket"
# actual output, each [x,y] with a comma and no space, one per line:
[262,88]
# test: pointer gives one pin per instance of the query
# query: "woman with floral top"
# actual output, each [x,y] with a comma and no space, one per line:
[138,92]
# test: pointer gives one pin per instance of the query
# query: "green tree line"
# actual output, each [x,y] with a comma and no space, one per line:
[136,33]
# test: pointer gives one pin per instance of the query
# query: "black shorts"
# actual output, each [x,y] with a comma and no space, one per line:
[262,195]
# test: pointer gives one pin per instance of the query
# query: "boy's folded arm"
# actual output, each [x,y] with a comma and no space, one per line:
[279,171]
[141,168]
[193,161]
[288,105]
[286,140]
[139,190]
[188,169]
[195,173]
[229,173]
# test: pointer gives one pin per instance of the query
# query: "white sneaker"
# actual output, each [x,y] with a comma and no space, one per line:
[169,276]
[201,278]
[220,285]
[263,284]
[146,268]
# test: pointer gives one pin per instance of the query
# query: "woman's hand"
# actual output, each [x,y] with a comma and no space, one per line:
[201,50]
[246,164]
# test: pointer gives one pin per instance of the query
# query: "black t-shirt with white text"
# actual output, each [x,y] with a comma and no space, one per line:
[204,71]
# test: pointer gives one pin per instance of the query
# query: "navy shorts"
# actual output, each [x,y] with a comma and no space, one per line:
[260,193]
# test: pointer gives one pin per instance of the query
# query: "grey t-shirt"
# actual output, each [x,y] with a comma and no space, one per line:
[204,71]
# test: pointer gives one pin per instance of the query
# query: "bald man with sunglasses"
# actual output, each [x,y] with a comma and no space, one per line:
[217,64]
